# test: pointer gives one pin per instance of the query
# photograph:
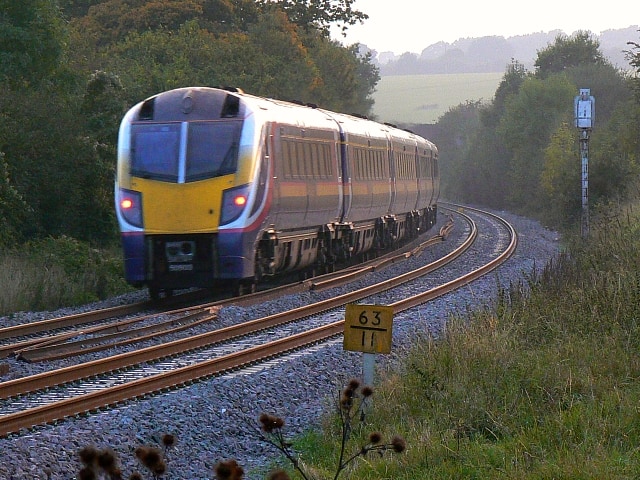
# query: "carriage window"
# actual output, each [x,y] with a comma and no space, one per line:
[326,151]
[308,160]
[286,160]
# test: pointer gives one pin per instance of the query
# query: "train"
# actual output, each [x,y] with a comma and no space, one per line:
[219,188]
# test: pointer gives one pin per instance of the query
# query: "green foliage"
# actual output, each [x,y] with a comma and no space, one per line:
[318,14]
[57,272]
[523,153]
[525,128]
[566,52]
[111,21]
[512,80]
[13,208]
[476,158]
[32,37]
[276,61]
[57,170]
[560,179]
[76,8]
[457,128]
[615,155]
[633,55]
[270,53]
[283,65]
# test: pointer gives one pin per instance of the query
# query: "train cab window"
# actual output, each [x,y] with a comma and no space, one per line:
[212,149]
[155,150]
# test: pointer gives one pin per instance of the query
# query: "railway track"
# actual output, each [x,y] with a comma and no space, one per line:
[99,330]
[60,393]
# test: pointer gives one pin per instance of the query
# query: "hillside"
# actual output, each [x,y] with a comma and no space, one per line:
[493,53]
[422,99]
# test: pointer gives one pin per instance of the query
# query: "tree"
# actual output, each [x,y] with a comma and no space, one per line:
[13,209]
[566,52]
[525,128]
[318,14]
[54,165]
[274,62]
[473,156]
[111,21]
[615,154]
[284,66]
[633,56]
[455,138]
[560,178]
[77,8]
[510,84]
[32,39]
[347,79]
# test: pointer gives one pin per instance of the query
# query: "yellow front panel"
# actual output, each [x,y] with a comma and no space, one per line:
[182,207]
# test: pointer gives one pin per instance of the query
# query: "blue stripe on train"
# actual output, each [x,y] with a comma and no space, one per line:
[231,247]
[133,249]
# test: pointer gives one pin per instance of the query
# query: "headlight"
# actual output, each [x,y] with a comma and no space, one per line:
[130,204]
[234,201]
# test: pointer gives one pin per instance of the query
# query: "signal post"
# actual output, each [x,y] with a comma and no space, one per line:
[585,109]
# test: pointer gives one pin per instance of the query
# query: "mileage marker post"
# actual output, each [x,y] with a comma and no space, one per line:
[368,329]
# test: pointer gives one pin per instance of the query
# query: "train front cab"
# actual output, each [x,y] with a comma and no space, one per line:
[184,190]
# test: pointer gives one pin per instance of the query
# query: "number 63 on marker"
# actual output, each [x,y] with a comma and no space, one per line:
[368,328]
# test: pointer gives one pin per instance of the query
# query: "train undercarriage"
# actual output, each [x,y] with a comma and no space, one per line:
[333,245]
[177,261]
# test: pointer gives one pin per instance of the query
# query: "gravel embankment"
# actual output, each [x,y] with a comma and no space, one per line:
[213,420]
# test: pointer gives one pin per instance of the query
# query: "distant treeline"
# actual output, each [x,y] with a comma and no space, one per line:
[491,53]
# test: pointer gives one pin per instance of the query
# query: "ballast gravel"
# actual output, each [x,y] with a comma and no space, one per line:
[216,419]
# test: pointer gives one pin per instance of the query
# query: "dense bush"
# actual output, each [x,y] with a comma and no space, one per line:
[57,272]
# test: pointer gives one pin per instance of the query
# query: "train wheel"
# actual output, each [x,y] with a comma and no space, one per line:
[243,287]
[154,293]
[157,293]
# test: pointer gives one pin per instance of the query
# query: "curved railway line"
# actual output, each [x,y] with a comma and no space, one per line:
[55,394]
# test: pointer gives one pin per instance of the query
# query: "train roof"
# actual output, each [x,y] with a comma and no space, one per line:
[196,103]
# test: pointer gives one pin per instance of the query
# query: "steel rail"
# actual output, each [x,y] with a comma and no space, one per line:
[421,298]
[58,351]
[20,386]
[32,328]
[161,382]
[84,318]
[48,413]
[78,319]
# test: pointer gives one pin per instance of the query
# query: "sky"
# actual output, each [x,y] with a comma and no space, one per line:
[403,26]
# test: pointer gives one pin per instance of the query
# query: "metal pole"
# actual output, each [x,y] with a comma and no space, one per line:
[585,110]
[584,150]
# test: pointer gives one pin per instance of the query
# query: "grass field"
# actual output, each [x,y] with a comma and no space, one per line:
[424,98]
